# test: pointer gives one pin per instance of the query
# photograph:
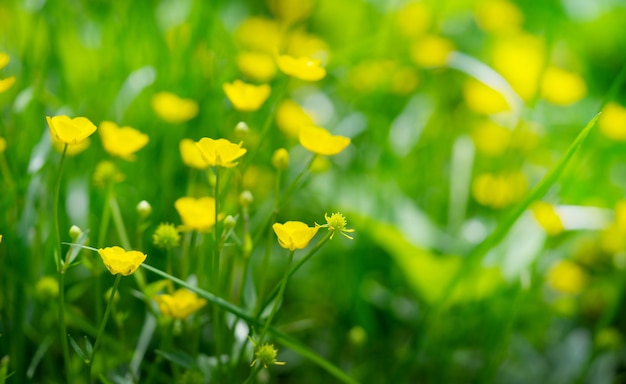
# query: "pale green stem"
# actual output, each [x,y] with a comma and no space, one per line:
[103,323]
[216,277]
[62,267]
[281,291]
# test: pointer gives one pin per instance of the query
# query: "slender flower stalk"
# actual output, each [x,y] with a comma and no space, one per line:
[103,323]
[281,291]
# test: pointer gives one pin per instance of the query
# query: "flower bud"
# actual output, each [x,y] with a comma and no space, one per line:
[280,159]
[75,233]
[246,198]
[229,222]
[241,129]
[47,288]
[144,209]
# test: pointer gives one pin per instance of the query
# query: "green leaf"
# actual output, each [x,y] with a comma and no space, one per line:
[78,350]
[73,252]
[179,358]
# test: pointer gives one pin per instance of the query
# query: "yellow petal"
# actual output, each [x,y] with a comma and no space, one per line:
[70,131]
[220,152]
[561,87]
[191,155]
[294,234]
[173,109]
[246,97]
[302,68]
[117,260]
[4,60]
[612,121]
[6,83]
[196,214]
[321,142]
[122,142]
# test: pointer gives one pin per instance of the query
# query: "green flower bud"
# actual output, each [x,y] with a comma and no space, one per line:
[75,233]
[280,159]
[144,209]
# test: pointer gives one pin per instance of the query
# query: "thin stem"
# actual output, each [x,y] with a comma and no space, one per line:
[294,184]
[62,266]
[216,275]
[253,372]
[281,291]
[104,322]
[119,222]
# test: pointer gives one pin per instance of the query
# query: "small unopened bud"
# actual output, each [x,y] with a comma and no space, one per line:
[241,129]
[246,198]
[47,288]
[357,336]
[107,295]
[144,209]
[280,159]
[75,233]
[229,222]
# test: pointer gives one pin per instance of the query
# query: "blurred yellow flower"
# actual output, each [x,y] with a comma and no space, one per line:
[612,121]
[289,11]
[220,152]
[196,214]
[481,98]
[259,34]
[246,97]
[3,144]
[302,44]
[258,66]
[547,217]
[72,149]
[321,142]
[70,131]
[290,117]
[47,288]
[294,234]
[8,82]
[121,141]
[180,304]
[280,159]
[303,68]
[567,277]
[499,16]
[520,59]
[431,51]
[413,19]
[117,260]
[490,138]
[190,153]
[499,190]
[173,109]
[561,87]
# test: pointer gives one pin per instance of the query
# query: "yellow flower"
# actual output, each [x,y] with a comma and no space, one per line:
[180,304]
[431,51]
[567,277]
[612,122]
[122,142]
[499,191]
[499,16]
[173,109]
[321,142]
[8,82]
[72,149]
[257,65]
[561,87]
[294,234]
[520,60]
[414,19]
[118,260]
[302,68]
[259,34]
[246,97]
[481,98]
[196,214]
[3,144]
[106,172]
[336,223]
[490,138]
[547,217]
[302,44]
[191,155]
[280,159]
[289,11]
[70,131]
[290,117]
[220,152]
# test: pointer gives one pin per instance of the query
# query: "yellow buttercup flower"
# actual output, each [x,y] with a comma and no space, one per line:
[289,11]
[122,142]
[302,44]
[612,121]
[70,131]
[259,34]
[414,19]
[431,51]
[490,138]
[520,58]
[561,87]
[246,97]
[290,117]
[567,277]
[180,304]
[481,98]
[117,260]
[258,66]
[72,149]
[499,16]
[220,152]
[321,142]
[294,234]
[196,214]
[191,155]
[8,82]
[499,190]
[302,68]
[547,217]
[173,109]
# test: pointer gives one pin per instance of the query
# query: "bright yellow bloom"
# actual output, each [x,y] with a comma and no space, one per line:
[3,144]
[173,109]
[257,65]
[118,260]
[280,159]
[122,142]
[72,149]
[191,155]
[561,87]
[499,191]
[302,68]
[302,44]
[180,304]
[220,152]
[294,234]
[612,121]
[8,82]
[520,60]
[321,142]
[490,138]
[337,223]
[289,11]
[414,19]
[246,97]
[547,217]
[70,131]
[567,277]
[196,214]
[499,16]
[290,117]
[481,98]
[259,34]
[431,51]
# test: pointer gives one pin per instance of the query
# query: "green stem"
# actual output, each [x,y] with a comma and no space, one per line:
[294,184]
[217,331]
[104,322]
[281,291]
[253,372]
[119,222]
[62,266]
[6,172]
